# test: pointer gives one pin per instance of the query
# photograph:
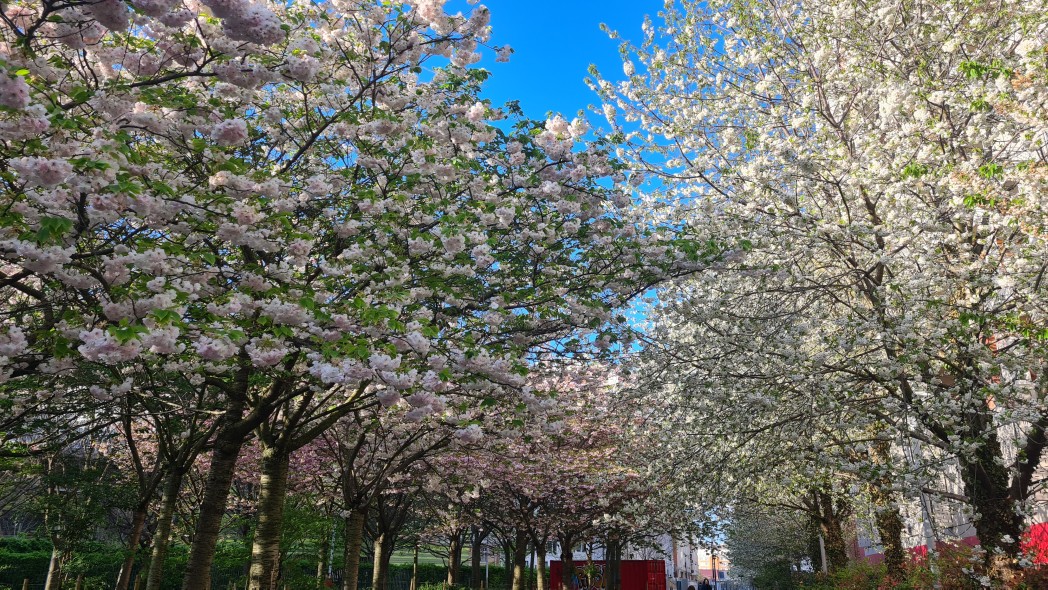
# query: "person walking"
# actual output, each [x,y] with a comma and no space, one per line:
[706,584]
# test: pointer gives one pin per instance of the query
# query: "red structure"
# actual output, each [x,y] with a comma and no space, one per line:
[1034,542]
[636,575]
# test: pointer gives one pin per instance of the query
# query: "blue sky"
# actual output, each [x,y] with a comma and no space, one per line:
[555,41]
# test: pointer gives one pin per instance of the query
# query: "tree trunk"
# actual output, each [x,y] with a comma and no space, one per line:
[613,564]
[325,548]
[540,574]
[832,532]
[531,569]
[414,569]
[138,524]
[162,537]
[889,528]
[476,548]
[54,571]
[567,562]
[454,557]
[383,551]
[354,539]
[886,514]
[265,548]
[996,523]
[520,558]
[212,510]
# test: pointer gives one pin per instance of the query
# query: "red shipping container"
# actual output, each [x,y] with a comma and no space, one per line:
[636,574]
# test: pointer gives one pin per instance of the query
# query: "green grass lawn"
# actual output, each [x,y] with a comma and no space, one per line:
[404,556]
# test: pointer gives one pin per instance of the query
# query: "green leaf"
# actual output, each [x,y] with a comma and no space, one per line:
[991,170]
[974,70]
[125,334]
[165,316]
[52,229]
[914,170]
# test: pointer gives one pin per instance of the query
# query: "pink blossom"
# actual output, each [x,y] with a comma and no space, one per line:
[302,67]
[245,74]
[417,414]
[266,352]
[14,92]
[454,244]
[46,259]
[42,171]
[418,342]
[558,126]
[163,340]
[247,21]
[476,112]
[388,398]
[503,53]
[215,349]
[100,346]
[257,24]
[230,132]
[421,399]
[111,14]
[429,11]
[154,8]
[13,342]
[383,362]
[470,434]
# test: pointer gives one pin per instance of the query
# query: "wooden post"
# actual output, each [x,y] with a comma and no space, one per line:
[80,581]
[25,584]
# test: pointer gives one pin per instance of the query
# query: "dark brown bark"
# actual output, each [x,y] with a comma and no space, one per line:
[322,559]
[986,485]
[265,548]
[520,557]
[383,552]
[477,535]
[613,564]
[889,528]
[162,536]
[233,430]
[886,513]
[138,524]
[541,577]
[531,577]
[1030,459]
[455,556]
[829,520]
[212,510]
[567,560]
[354,539]
[391,512]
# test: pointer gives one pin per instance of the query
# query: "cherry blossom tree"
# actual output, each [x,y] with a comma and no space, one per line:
[286,200]
[883,165]
[553,467]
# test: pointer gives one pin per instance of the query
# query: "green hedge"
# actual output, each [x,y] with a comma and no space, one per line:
[16,566]
[23,557]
